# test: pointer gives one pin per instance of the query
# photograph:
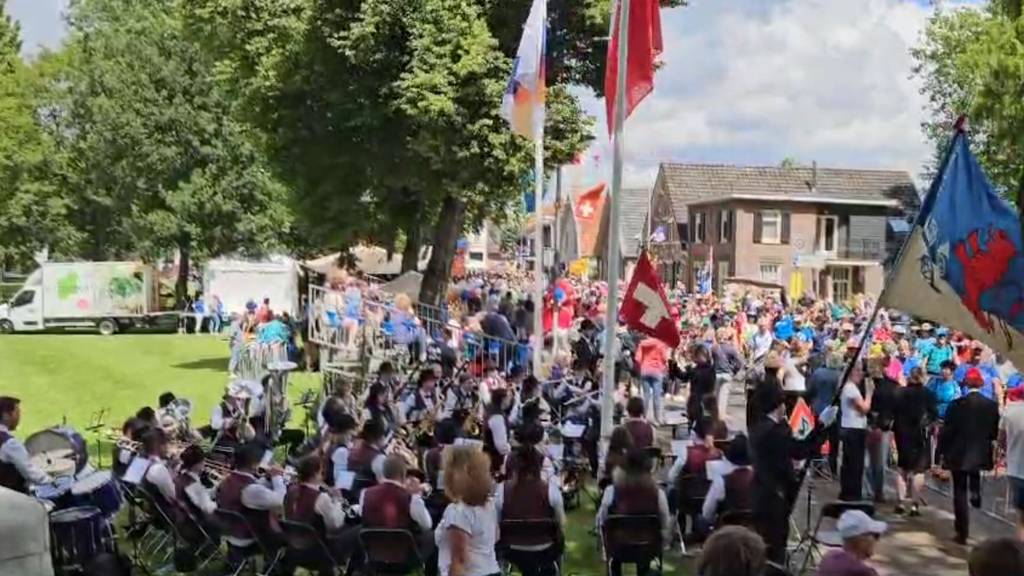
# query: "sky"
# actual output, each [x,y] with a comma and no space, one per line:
[747,82]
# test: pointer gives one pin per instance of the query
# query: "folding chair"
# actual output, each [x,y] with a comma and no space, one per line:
[815,538]
[234,523]
[535,532]
[205,545]
[692,490]
[305,549]
[632,539]
[165,534]
[655,455]
[390,552]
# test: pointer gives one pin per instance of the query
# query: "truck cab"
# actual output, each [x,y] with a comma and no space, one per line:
[24,312]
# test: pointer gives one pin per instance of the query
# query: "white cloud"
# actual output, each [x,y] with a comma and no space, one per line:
[753,81]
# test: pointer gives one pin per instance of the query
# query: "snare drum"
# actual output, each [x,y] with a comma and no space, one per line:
[78,536]
[100,490]
[60,439]
[58,494]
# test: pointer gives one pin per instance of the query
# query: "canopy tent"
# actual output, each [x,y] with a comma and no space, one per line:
[408,284]
[25,532]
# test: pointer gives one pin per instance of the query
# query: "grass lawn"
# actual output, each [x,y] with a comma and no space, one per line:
[69,377]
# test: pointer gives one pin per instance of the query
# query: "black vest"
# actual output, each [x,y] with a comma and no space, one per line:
[10,477]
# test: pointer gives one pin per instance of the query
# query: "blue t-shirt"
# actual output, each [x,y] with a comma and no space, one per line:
[936,355]
[910,363]
[923,345]
[944,391]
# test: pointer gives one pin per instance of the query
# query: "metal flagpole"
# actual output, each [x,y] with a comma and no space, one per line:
[538,250]
[611,321]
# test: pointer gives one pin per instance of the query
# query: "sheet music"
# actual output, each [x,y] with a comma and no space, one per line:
[570,430]
[555,452]
[345,480]
[136,470]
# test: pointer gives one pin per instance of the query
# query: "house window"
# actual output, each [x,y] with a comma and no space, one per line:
[828,234]
[771,272]
[725,227]
[771,227]
[840,284]
[699,227]
[547,232]
[476,256]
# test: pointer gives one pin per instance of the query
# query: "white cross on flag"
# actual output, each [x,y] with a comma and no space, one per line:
[645,307]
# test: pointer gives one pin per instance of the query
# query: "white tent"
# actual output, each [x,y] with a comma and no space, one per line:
[408,284]
[25,533]
[236,281]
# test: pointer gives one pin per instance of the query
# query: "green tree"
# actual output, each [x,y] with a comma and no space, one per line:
[33,211]
[156,161]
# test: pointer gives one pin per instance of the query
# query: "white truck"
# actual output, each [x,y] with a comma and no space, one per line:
[107,296]
[237,281]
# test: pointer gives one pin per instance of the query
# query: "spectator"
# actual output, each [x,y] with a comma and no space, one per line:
[732,551]
[939,353]
[652,356]
[855,404]
[914,412]
[997,557]
[216,314]
[1011,439]
[944,388]
[264,313]
[860,534]
[468,531]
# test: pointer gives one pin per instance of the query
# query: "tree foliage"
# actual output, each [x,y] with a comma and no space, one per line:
[972,62]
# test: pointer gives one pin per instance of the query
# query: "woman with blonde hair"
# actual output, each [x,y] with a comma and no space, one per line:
[467,532]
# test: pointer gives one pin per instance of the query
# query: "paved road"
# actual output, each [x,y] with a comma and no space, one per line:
[921,546]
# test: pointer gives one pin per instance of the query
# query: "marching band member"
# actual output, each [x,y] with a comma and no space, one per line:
[496,441]
[366,458]
[308,501]
[189,488]
[17,472]
[532,407]
[158,478]
[634,491]
[336,448]
[527,496]
[131,432]
[227,414]
[378,407]
[444,435]
[730,486]
[462,397]
[421,403]
[639,428]
[396,504]
[257,500]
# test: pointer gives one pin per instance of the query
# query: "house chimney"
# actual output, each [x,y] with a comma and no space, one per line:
[814,176]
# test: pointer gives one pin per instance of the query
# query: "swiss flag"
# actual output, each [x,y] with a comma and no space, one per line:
[645,307]
[645,45]
[589,203]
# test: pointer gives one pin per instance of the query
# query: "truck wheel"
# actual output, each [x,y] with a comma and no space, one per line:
[107,327]
[6,327]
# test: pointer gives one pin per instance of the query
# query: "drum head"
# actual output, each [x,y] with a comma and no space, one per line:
[91,483]
[55,439]
[72,515]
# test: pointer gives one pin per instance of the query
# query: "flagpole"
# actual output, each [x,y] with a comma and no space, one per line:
[538,253]
[611,321]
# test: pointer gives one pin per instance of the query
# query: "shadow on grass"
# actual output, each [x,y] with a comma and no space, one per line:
[214,364]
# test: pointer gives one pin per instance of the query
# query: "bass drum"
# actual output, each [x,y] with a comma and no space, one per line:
[57,439]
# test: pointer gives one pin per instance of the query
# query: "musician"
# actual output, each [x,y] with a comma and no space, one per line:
[396,504]
[17,472]
[377,407]
[496,439]
[341,402]
[421,403]
[337,442]
[532,406]
[461,398]
[194,497]
[387,376]
[228,415]
[258,500]
[131,433]
[491,382]
[730,482]
[310,502]
[635,491]
[158,478]
[366,458]
[527,496]
[639,428]
[444,435]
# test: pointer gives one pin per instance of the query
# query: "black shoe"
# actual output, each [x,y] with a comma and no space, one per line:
[915,511]
[899,509]
[976,500]
[960,539]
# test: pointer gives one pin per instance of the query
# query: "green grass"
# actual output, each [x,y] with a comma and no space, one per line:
[69,377]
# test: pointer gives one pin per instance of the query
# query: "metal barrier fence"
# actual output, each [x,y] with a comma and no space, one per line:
[350,331]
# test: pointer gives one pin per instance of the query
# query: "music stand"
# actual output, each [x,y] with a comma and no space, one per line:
[96,424]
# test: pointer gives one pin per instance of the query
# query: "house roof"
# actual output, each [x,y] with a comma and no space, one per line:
[689,183]
[634,205]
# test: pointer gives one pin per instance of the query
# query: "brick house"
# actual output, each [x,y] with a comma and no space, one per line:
[824,231]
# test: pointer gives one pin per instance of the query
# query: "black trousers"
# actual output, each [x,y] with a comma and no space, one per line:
[962,481]
[851,476]
[771,521]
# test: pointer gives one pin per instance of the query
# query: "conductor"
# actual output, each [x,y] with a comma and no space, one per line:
[776,482]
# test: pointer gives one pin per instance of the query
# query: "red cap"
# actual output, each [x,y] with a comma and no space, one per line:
[974,377]
[1015,394]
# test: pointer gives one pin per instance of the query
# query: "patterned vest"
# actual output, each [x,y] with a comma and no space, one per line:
[387,506]
[9,476]
[300,506]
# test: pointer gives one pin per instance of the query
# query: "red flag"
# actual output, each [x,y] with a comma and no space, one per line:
[645,307]
[590,202]
[645,45]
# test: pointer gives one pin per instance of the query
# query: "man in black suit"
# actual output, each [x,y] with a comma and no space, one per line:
[972,425]
[776,482]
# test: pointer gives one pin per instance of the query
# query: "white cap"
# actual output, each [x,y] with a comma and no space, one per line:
[856,523]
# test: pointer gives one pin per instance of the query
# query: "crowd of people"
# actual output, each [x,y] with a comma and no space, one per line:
[478,458]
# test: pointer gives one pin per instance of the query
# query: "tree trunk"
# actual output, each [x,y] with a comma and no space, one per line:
[184,263]
[446,234]
[413,242]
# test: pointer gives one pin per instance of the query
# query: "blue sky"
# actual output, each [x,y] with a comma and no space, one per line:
[748,82]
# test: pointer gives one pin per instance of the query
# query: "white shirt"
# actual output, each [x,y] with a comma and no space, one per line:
[1012,425]
[417,507]
[663,513]
[792,379]
[481,524]
[329,510]
[160,477]
[14,453]
[761,343]
[408,407]
[339,460]
[261,495]
[851,417]
[199,495]
[716,494]
[554,499]
[499,432]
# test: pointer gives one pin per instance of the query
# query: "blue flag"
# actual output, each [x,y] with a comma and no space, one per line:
[961,266]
